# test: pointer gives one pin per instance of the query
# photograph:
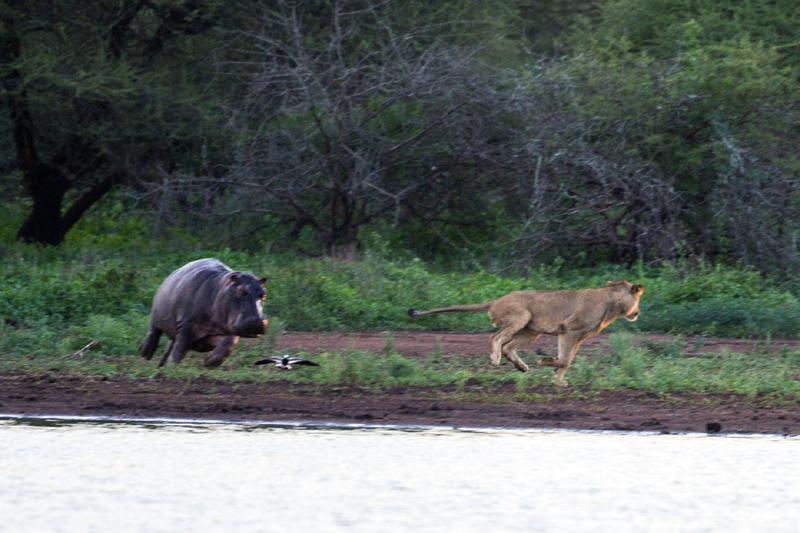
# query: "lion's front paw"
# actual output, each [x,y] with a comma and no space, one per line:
[547,361]
[522,367]
[560,383]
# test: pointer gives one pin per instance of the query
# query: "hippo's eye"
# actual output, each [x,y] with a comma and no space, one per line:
[241,291]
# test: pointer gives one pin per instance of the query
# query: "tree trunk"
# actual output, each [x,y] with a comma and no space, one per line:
[47,188]
[45,183]
[46,224]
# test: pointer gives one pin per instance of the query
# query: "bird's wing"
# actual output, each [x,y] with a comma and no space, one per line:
[268,360]
[299,361]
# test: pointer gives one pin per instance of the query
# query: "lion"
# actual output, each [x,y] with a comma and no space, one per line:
[574,316]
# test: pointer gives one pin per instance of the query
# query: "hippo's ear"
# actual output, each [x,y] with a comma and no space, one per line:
[263,281]
[233,277]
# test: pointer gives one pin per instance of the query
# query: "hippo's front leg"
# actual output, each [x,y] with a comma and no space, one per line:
[223,347]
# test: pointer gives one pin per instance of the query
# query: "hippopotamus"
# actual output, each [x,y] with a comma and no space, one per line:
[205,306]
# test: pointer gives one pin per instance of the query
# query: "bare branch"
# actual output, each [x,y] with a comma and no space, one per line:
[81,351]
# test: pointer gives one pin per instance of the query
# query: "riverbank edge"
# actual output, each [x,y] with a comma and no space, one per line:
[49,394]
[56,420]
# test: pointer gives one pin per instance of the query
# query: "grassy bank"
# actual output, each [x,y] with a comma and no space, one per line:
[771,372]
[100,284]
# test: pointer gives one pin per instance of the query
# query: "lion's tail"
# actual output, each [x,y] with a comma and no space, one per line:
[470,307]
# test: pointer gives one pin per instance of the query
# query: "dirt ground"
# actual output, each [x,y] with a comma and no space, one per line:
[417,343]
[54,394]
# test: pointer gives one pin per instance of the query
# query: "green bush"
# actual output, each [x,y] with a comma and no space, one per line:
[399,367]
[52,300]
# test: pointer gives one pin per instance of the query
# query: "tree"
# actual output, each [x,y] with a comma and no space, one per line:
[96,95]
[658,27]
[345,123]
[653,159]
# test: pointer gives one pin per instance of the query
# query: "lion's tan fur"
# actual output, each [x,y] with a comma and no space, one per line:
[573,316]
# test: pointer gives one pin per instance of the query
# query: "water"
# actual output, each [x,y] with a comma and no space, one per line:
[78,476]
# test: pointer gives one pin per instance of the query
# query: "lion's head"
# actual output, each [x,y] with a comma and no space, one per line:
[630,297]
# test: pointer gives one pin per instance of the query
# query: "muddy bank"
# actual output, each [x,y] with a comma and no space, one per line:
[51,393]
[164,397]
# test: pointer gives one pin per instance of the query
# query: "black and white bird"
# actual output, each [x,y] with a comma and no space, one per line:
[285,361]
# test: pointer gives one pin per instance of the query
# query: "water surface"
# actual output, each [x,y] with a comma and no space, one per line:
[78,476]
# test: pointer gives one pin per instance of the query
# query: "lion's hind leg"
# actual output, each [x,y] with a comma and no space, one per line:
[521,338]
[508,329]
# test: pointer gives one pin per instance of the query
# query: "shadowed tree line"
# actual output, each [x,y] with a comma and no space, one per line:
[607,131]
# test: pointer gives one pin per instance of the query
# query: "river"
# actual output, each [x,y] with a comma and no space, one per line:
[77,475]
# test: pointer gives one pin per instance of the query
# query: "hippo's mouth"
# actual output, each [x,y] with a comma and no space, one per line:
[254,329]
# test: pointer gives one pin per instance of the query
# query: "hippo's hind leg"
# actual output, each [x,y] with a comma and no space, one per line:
[223,347]
[150,342]
[180,345]
[165,356]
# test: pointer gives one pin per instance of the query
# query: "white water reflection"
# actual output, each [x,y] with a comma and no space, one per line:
[166,477]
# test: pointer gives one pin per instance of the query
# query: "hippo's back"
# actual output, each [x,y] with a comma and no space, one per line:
[192,286]
[197,269]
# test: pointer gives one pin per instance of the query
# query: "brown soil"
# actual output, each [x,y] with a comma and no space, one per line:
[417,343]
[53,394]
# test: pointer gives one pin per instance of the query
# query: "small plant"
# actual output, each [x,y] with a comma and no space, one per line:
[633,364]
[437,349]
[351,372]
[697,343]
[399,367]
[627,359]
[621,345]
[460,379]
[585,371]
[791,357]
[521,383]
[670,349]
[275,328]
[350,368]
[388,343]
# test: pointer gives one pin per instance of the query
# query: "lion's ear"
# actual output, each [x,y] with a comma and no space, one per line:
[637,289]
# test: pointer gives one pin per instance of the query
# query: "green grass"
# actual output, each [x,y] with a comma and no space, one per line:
[632,363]
[639,365]
[59,291]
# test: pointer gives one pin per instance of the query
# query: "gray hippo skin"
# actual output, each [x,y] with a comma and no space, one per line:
[205,306]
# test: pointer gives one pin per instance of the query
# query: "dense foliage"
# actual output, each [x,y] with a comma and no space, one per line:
[102,281]
[607,131]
